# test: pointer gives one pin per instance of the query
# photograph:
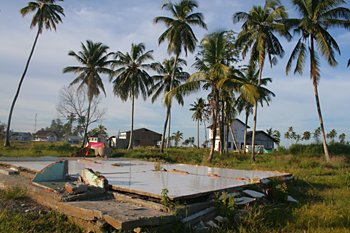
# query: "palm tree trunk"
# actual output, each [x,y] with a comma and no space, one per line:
[164,129]
[215,109]
[245,131]
[221,124]
[168,138]
[7,140]
[87,124]
[198,133]
[131,139]
[234,138]
[205,133]
[256,113]
[318,105]
[169,105]
[226,137]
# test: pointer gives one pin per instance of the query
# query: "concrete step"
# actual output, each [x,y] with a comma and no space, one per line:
[187,210]
[199,216]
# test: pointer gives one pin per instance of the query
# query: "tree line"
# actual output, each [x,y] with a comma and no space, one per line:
[232,89]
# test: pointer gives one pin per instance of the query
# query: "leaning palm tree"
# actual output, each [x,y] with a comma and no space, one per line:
[257,35]
[317,17]
[131,78]
[94,58]
[163,82]
[47,16]
[199,109]
[179,35]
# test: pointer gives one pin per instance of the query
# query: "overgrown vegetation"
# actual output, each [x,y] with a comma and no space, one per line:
[322,188]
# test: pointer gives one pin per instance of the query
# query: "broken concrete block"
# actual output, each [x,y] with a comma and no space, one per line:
[243,200]
[8,172]
[76,187]
[213,224]
[253,193]
[92,178]
[221,219]
[291,199]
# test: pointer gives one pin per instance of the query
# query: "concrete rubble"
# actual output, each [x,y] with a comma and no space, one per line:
[92,198]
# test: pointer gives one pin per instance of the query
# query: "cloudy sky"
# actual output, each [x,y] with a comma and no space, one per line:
[119,23]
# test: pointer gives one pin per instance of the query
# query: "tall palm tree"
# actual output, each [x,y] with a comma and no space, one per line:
[179,35]
[317,17]
[47,16]
[257,35]
[163,82]
[94,58]
[132,78]
[199,109]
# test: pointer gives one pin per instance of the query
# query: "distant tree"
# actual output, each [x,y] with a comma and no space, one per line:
[191,140]
[74,101]
[186,142]
[342,138]
[177,137]
[297,138]
[47,16]
[287,136]
[199,109]
[275,134]
[306,136]
[316,135]
[331,135]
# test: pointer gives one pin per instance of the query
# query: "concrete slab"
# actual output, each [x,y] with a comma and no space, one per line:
[8,172]
[121,215]
[140,177]
[253,193]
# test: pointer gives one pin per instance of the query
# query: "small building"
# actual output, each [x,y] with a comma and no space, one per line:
[238,130]
[261,138]
[20,136]
[74,139]
[45,136]
[142,137]
[98,137]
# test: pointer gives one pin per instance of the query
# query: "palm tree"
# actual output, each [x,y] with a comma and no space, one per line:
[331,135]
[132,78]
[177,137]
[306,136]
[257,35]
[179,35]
[317,17]
[163,81]
[94,58]
[316,134]
[342,138]
[211,71]
[199,109]
[47,16]
[248,99]
[275,134]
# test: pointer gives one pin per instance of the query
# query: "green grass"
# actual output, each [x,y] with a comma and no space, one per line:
[12,221]
[322,189]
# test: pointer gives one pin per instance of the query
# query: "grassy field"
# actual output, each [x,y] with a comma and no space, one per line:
[322,189]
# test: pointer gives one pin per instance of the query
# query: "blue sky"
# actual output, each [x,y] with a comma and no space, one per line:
[120,23]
